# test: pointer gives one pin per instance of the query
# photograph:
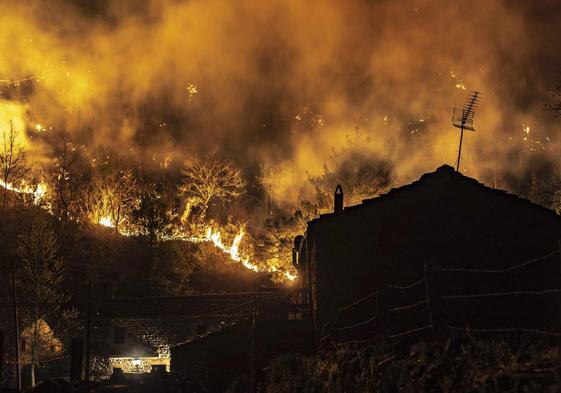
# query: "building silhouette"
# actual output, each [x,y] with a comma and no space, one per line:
[443,254]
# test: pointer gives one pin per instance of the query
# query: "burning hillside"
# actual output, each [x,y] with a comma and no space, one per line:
[173,120]
[113,213]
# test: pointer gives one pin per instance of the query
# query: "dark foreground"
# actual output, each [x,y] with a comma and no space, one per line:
[120,383]
[455,365]
[458,364]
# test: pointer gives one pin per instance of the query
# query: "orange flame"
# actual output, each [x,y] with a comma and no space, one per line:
[212,233]
[38,192]
[106,222]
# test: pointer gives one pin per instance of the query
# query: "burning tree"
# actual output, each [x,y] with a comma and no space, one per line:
[41,275]
[209,179]
[112,198]
[13,163]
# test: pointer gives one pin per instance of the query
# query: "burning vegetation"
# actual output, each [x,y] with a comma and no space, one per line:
[149,145]
[115,199]
[106,122]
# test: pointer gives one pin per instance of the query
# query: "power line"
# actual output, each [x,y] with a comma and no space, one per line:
[497,294]
[358,301]
[365,322]
[505,330]
[412,285]
[505,270]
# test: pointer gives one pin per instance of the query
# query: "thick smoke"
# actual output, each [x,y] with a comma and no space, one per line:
[283,88]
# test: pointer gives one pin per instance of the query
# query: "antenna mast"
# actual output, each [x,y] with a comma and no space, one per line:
[462,118]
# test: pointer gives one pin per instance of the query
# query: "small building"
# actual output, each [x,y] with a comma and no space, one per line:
[442,254]
[237,354]
[215,360]
[136,334]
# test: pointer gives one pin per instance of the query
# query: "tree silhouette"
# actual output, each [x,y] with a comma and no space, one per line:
[150,219]
[40,275]
[13,163]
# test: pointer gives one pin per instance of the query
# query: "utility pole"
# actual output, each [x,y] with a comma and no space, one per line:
[253,345]
[16,326]
[462,118]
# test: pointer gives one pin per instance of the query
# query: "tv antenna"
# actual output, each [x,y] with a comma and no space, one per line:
[462,118]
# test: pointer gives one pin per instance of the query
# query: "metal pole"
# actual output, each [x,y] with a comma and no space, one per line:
[89,329]
[559,248]
[460,149]
[16,326]
[428,271]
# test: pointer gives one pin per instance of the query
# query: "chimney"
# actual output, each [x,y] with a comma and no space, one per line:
[338,203]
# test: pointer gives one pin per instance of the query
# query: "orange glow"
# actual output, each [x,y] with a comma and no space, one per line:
[38,192]
[213,234]
[106,222]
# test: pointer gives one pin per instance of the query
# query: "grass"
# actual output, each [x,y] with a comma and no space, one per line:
[458,365]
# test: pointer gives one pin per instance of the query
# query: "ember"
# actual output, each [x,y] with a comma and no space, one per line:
[176,150]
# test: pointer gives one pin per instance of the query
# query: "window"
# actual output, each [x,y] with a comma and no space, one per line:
[119,335]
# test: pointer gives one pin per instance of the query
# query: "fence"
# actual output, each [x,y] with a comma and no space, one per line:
[421,307]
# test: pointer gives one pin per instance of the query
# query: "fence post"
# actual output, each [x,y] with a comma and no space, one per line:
[381,313]
[559,248]
[431,299]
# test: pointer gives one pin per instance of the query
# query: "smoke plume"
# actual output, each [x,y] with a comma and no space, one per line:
[285,88]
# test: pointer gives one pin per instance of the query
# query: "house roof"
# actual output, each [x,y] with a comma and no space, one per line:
[134,347]
[221,332]
[445,173]
[196,306]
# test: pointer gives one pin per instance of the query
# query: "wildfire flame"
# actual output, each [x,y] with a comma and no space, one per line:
[38,192]
[106,222]
[212,233]
[215,236]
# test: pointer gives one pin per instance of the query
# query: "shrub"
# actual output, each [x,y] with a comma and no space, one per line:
[458,365]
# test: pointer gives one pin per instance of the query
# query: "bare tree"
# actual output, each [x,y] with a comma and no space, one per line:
[41,275]
[210,179]
[13,163]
